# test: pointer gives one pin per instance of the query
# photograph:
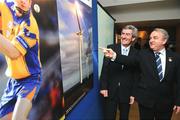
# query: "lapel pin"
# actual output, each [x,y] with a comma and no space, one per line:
[170,59]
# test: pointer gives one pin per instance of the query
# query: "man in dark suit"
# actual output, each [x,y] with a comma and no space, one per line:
[117,79]
[158,88]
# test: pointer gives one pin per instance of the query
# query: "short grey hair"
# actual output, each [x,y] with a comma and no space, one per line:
[163,31]
[134,30]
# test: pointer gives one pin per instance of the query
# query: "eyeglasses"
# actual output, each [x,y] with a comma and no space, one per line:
[21,10]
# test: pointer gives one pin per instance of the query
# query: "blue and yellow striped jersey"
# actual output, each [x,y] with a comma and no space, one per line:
[23,33]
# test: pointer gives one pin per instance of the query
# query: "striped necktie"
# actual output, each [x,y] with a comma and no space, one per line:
[159,66]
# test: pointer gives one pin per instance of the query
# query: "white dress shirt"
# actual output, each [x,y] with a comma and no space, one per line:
[163,59]
[125,50]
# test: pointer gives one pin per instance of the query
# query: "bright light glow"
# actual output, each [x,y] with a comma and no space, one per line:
[78,9]
[36,8]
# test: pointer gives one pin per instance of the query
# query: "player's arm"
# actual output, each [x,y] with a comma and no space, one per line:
[26,39]
[8,49]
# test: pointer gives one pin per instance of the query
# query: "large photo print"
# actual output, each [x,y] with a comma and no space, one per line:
[65,28]
[75,31]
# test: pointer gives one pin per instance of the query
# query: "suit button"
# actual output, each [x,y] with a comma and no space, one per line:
[119,83]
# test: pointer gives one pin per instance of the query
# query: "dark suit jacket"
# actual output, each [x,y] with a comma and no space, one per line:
[113,74]
[149,89]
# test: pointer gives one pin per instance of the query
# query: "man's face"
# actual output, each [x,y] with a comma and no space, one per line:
[22,7]
[126,37]
[157,41]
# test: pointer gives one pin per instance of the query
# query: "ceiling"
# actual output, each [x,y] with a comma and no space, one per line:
[129,7]
[116,3]
[143,24]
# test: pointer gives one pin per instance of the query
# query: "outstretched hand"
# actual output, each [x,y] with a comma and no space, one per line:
[104,93]
[109,53]
[131,100]
[176,109]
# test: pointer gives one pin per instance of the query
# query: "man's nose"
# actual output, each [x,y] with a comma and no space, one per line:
[151,40]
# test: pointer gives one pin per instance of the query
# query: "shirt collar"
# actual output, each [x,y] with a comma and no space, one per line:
[127,48]
[162,52]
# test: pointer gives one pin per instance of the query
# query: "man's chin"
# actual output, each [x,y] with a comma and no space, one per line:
[18,14]
[152,48]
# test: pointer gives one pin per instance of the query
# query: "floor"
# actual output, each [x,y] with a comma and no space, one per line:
[134,114]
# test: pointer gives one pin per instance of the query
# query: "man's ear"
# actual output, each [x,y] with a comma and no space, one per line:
[133,39]
[165,41]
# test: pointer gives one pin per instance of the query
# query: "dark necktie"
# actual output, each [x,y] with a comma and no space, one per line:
[124,52]
[159,66]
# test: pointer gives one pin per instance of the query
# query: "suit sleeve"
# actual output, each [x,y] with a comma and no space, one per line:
[178,82]
[136,80]
[131,61]
[128,60]
[136,71]
[104,73]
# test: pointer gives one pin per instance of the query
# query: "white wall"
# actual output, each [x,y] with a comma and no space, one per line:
[105,34]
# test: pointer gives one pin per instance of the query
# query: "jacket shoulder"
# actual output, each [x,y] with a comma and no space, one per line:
[113,45]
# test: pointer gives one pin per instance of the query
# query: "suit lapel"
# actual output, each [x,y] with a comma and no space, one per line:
[131,51]
[117,49]
[152,64]
[169,59]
